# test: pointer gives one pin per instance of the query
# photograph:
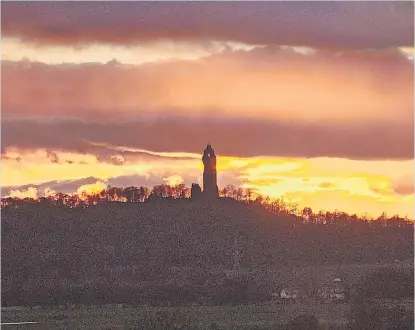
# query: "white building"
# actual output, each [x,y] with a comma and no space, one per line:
[288,293]
[333,292]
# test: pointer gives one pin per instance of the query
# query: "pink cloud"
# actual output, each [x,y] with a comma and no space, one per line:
[263,83]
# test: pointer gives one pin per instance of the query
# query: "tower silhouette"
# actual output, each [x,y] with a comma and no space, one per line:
[210,186]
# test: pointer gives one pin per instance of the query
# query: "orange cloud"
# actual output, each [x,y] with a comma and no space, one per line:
[261,83]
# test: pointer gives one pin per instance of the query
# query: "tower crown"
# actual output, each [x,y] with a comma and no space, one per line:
[209,152]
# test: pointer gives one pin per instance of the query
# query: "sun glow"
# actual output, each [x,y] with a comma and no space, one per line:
[28,193]
[144,52]
[353,186]
[92,189]
[173,180]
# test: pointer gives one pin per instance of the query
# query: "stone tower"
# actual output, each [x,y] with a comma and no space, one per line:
[210,186]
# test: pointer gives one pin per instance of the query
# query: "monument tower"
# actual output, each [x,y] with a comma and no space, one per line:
[210,186]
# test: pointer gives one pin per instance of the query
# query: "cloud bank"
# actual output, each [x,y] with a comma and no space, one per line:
[266,82]
[368,24]
[239,138]
[267,101]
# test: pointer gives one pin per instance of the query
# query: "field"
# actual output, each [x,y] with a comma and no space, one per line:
[271,315]
[264,316]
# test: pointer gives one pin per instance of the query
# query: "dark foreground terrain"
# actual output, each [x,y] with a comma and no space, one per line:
[226,259]
[266,316]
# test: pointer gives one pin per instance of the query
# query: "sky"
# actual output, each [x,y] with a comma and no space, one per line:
[309,101]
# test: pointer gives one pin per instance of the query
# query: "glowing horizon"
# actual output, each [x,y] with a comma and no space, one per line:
[350,186]
[310,109]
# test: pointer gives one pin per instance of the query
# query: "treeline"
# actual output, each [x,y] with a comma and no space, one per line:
[245,195]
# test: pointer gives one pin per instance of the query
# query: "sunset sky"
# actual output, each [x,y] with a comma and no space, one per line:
[310,101]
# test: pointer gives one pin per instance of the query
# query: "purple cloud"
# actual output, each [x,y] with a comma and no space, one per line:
[366,24]
[231,137]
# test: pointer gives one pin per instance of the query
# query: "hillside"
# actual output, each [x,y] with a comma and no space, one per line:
[122,247]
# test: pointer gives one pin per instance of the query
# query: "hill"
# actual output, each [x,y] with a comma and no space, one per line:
[119,250]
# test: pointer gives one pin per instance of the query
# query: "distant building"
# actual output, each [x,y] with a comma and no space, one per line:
[289,293]
[195,191]
[210,186]
[333,292]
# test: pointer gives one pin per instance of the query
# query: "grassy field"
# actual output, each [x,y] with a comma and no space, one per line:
[272,315]
[261,316]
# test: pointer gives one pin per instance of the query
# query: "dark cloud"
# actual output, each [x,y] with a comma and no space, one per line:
[231,137]
[66,186]
[145,180]
[7,157]
[365,24]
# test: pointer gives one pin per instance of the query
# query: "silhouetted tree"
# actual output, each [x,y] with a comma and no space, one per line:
[308,214]
[277,206]
[131,194]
